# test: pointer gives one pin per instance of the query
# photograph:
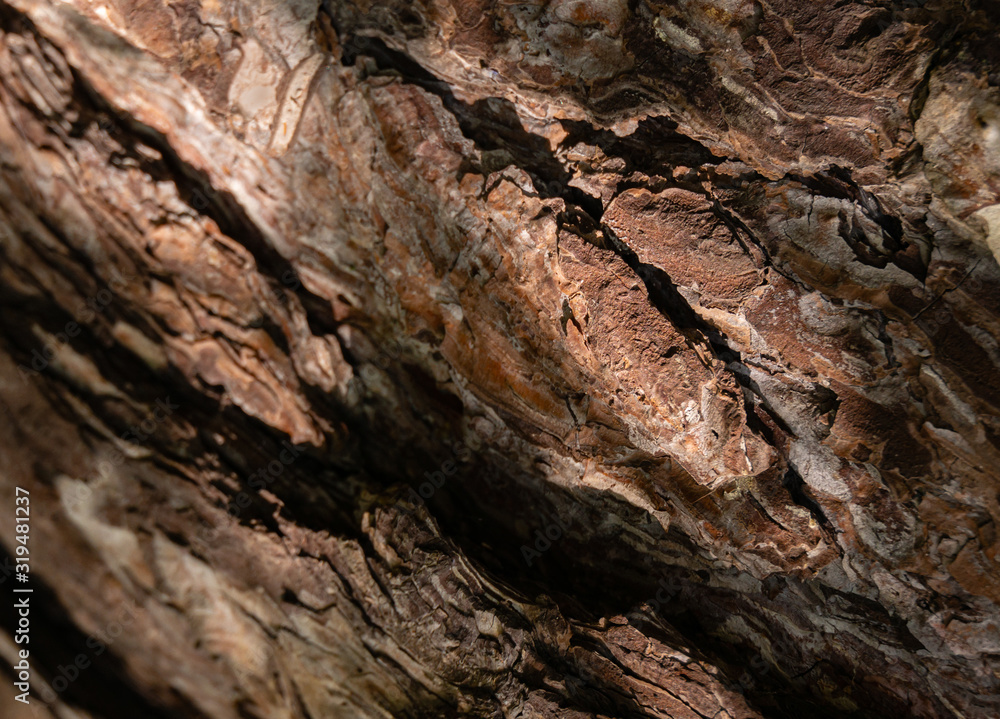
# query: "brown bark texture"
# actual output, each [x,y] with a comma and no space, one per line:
[474,358]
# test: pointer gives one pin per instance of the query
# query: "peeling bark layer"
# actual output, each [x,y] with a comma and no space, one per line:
[564,359]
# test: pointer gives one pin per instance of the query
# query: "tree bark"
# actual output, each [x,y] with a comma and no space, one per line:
[567,359]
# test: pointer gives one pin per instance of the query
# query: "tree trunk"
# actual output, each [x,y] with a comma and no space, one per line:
[472,359]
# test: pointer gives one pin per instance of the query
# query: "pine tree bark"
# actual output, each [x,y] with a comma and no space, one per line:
[566,359]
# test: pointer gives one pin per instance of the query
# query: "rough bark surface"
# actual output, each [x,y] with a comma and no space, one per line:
[683,318]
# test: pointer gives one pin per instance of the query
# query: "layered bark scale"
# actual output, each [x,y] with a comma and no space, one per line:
[682,317]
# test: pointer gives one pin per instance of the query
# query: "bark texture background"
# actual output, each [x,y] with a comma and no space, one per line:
[683,318]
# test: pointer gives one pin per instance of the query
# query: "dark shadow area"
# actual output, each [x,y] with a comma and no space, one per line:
[102,687]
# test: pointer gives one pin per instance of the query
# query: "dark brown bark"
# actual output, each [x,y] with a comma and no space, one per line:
[570,359]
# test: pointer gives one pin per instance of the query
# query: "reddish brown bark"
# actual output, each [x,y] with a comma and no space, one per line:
[470,359]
